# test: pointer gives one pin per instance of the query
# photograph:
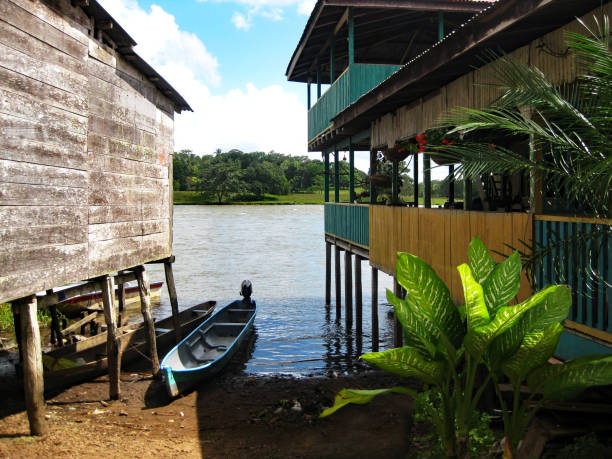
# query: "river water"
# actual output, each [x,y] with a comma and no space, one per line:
[281,249]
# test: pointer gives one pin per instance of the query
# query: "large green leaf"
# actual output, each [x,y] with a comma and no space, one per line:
[362,397]
[430,294]
[503,283]
[481,261]
[563,382]
[475,307]
[553,309]
[419,331]
[408,362]
[479,339]
[534,351]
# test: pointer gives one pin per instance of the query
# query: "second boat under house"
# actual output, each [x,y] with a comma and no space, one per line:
[393,68]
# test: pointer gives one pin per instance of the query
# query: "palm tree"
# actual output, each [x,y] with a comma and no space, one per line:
[568,129]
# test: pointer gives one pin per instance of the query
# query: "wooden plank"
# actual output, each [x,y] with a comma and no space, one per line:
[34,216]
[32,366]
[43,48]
[23,237]
[459,240]
[16,194]
[19,172]
[574,219]
[114,213]
[77,325]
[45,93]
[51,74]
[522,232]
[113,346]
[174,300]
[145,307]
[57,13]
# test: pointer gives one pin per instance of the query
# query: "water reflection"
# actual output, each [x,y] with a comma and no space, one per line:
[281,249]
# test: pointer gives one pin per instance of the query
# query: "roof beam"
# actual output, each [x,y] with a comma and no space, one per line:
[414,5]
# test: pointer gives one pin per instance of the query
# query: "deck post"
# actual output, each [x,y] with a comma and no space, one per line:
[327,274]
[56,332]
[351,174]
[338,283]
[32,366]
[318,79]
[326,177]
[427,181]
[122,320]
[467,194]
[397,326]
[17,326]
[358,297]
[451,185]
[416,179]
[395,183]
[113,350]
[348,290]
[145,307]
[308,102]
[173,300]
[374,309]
[372,172]
[336,176]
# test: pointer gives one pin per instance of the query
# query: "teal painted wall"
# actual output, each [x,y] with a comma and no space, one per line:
[572,346]
[351,223]
[352,84]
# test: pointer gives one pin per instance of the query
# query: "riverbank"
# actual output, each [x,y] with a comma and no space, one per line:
[232,416]
[196,198]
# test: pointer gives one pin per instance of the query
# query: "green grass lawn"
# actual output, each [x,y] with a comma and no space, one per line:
[194,197]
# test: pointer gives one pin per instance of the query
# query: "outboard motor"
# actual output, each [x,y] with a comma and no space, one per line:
[246,289]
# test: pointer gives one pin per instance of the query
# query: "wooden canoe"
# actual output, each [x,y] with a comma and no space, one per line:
[93,301]
[87,359]
[208,348]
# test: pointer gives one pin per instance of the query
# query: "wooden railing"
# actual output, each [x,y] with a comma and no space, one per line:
[441,237]
[356,80]
[349,222]
[578,252]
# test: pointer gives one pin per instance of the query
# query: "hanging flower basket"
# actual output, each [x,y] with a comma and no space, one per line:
[380,180]
[441,160]
[396,153]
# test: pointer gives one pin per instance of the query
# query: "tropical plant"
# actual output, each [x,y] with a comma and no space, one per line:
[446,344]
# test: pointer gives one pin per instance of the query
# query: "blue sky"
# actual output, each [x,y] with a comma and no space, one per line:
[228,59]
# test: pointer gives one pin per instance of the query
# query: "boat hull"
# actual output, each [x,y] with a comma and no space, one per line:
[208,349]
[92,351]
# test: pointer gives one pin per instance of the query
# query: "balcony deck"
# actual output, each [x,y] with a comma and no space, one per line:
[356,80]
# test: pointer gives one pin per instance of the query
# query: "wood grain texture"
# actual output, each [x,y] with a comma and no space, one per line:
[441,238]
[85,155]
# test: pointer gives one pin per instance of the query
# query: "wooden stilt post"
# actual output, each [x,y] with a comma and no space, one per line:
[327,274]
[348,289]
[338,284]
[17,325]
[113,350]
[358,297]
[397,327]
[122,320]
[173,299]
[145,307]
[374,309]
[32,366]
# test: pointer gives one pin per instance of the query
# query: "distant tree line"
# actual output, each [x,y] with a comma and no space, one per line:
[238,176]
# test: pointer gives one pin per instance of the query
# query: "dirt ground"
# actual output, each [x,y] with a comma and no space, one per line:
[232,416]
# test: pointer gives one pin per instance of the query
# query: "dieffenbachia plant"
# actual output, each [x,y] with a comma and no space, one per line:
[445,344]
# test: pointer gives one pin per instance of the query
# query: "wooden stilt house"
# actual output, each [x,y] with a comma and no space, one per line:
[85,166]
[404,65]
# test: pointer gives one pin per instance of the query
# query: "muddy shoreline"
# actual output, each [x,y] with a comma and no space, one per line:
[233,415]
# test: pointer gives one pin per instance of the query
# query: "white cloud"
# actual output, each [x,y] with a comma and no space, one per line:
[160,40]
[247,118]
[241,21]
[303,6]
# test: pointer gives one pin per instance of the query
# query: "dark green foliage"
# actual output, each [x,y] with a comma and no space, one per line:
[249,177]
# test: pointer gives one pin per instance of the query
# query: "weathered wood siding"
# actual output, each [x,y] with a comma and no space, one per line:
[441,237]
[548,53]
[85,152]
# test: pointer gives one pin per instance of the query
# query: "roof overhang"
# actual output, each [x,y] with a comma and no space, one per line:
[124,46]
[328,16]
[503,27]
